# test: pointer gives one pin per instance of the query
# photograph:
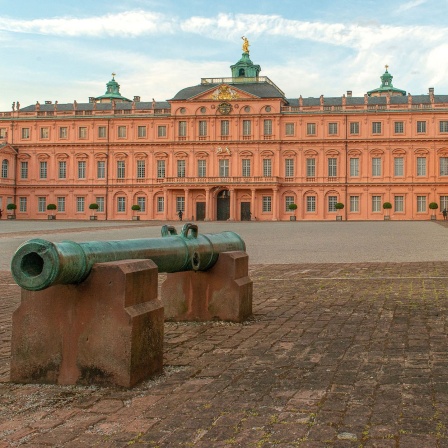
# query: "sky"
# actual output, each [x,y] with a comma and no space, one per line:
[66,50]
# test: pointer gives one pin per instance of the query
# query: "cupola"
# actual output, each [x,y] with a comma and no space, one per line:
[245,68]
[386,87]
[112,93]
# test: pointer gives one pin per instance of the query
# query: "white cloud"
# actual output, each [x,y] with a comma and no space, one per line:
[410,5]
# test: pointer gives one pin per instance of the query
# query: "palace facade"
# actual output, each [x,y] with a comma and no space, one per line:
[230,148]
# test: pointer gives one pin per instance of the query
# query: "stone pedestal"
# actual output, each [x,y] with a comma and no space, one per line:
[107,330]
[222,293]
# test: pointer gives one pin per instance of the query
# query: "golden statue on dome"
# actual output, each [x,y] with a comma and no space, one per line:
[245,44]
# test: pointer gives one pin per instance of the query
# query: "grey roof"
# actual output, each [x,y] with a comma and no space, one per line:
[98,106]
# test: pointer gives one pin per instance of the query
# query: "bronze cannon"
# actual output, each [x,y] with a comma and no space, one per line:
[38,264]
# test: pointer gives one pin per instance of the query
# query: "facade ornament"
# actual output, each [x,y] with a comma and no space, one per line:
[223,151]
[245,44]
[224,92]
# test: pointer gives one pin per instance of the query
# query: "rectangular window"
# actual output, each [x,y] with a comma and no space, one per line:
[141,132]
[267,204]
[444,166]
[160,169]
[376,203]
[376,166]
[354,167]
[180,204]
[311,204]
[399,127]
[310,167]
[81,169]
[245,167]
[100,201]
[121,204]
[202,128]
[267,127]
[311,128]
[225,128]
[62,172]
[332,128]
[44,132]
[288,201]
[247,127]
[332,200]
[181,168]
[224,168]
[443,202]
[82,132]
[354,204]
[421,204]
[160,204]
[121,131]
[332,167]
[421,127]
[289,167]
[421,166]
[354,127]
[22,204]
[376,127]
[80,204]
[25,133]
[443,126]
[5,166]
[161,131]
[141,201]
[398,166]
[141,169]
[63,132]
[61,204]
[267,167]
[399,203]
[2,132]
[24,170]
[121,169]
[43,170]
[41,204]
[182,128]
[102,131]
[289,129]
[202,168]
[101,169]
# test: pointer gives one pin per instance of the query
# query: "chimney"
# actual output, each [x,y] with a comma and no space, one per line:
[47,102]
[431,90]
[91,99]
[136,99]
[349,93]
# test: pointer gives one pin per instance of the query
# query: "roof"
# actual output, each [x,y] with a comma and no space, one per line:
[141,105]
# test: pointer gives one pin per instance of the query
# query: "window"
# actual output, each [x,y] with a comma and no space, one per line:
[399,203]
[141,201]
[224,127]
[267,167]
[180,204]
[100,201]
[289,129]
[311,204]
[22,204]
[421,204]
[44,132]
[101,131]
[160,204]
[443,126]
[398,166]
[61,204]
[289,167]
[399,127]
[354,166]
[332,167]
[141,169]
[310,167]
[245,167]
[202,168]
[267,127]
[332,200]
[41,204]
[81,169]
[182,128]
[443,202]
[311,128]
[101,169]
[181,168]
[247,127]
[421,166]
[5,166]
[63,132]
[202,128]
[161,131]
[121,131]
[267,204]
[2,132]
[43,170]
[24,170]
[160,169]
[332,128]
[82,132]
[354,127]
[62,172]
[354,204]
[288,201]
[376,166]
[376,127]
[141,131]
[224,168]
[121,204]
[444,166]
[376,203]
[421,127]
[25,133]
[80,204]
[121,169]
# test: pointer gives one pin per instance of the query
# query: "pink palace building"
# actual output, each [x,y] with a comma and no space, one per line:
[231,148]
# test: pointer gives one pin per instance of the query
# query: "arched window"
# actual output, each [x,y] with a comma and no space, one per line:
[4,169]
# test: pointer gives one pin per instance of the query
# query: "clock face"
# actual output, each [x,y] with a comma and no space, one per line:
[225,108]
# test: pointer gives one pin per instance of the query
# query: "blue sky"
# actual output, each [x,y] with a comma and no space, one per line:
[66,50]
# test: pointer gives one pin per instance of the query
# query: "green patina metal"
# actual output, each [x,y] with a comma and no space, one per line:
[386,86]
[38,264]
[112,91]
[245,68]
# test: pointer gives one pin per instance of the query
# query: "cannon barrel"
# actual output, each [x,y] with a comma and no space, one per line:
[38,264]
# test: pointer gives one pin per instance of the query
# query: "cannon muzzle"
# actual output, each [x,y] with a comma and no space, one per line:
[38,264]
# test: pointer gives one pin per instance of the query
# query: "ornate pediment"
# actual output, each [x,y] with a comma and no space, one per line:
[7,149]
[223,92]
